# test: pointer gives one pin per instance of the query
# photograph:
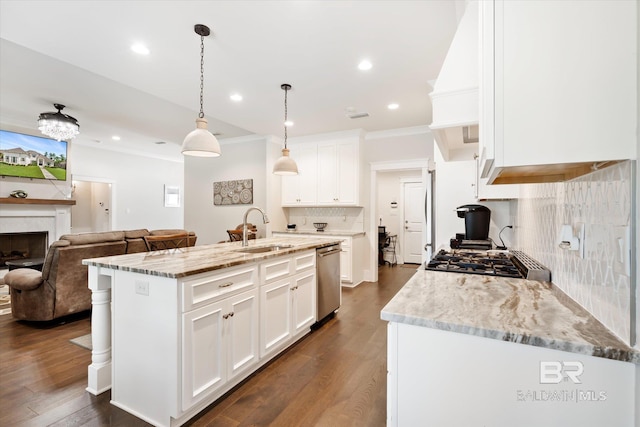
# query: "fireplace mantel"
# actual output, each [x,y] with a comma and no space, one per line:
[27,201]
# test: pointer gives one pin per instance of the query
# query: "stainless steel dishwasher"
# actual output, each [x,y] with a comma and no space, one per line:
[328,280]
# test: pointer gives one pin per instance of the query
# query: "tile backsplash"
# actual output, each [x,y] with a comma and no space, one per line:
[602,281]
[337,218]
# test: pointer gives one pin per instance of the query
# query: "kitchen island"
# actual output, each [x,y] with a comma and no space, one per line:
[174,330]
[466,349]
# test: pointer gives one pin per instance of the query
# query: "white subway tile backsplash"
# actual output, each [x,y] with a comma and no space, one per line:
[337,218]
[601,282]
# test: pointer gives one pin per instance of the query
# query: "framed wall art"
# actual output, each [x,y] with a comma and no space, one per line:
[237,192]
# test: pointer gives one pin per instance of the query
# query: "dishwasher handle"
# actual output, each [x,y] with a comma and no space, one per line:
[328,251]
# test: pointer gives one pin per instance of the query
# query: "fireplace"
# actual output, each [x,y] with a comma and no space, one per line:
[17,246]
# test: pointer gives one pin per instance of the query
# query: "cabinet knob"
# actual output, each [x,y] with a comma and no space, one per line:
[231,314]
[225,285]
[225,316]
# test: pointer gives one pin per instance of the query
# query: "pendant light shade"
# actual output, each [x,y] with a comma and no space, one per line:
[285,165]
[200,142]
[58,125]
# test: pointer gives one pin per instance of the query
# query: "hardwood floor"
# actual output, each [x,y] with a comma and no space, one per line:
[336,376]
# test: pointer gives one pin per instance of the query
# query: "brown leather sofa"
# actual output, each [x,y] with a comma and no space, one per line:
[62,286]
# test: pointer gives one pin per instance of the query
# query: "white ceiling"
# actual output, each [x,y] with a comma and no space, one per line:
[77,53]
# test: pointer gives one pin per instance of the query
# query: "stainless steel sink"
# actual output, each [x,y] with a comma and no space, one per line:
[261,249]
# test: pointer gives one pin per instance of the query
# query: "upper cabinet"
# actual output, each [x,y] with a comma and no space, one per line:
[558,88]
[338,176]
[329,174]
[300,190]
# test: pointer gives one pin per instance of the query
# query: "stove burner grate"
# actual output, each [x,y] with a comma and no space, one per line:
[489,264]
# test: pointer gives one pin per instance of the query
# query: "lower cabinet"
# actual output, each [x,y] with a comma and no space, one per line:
[346,261]
[220,342]
[287,309]
[499,383]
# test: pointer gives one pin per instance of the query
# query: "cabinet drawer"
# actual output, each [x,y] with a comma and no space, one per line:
[304,261]
[209,287]
[277,269]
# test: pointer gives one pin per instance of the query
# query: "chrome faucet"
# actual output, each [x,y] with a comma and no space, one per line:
[265,219]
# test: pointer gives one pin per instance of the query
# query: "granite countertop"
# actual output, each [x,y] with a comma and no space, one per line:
[516,310]
[182,262]
[321,233]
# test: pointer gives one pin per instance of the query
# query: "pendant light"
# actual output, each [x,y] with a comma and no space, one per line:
[200,142]
[285,164]
[58,125]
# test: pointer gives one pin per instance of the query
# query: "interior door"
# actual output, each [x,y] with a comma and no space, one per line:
[413,220]
[92,211]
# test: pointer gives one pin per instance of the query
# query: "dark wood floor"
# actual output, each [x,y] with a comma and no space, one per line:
[336,376]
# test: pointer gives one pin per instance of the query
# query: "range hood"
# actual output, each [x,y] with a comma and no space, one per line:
[455,98]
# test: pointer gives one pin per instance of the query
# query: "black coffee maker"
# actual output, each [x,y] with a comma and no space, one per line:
[476,228]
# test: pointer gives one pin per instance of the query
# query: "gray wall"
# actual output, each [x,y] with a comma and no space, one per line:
[138,188]
[244,158]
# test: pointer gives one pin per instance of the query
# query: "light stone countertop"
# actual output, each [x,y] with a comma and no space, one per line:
[182,262]
[321,233]
[516,310]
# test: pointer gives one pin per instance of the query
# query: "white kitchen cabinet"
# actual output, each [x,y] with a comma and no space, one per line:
[275,316]
[287,310]
[352,259]
[220,343]
[338,173]
[498,383]
[558,87]
[303,302]
[346,261]
[328,174]
[287,300]
[483,191]
[301,189]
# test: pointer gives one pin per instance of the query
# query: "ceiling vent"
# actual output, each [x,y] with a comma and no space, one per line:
[354,115]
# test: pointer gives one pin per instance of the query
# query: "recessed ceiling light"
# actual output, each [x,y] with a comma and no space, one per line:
[393,106]
[115,138]
[288,123]
[365,65]
[140,49]
[236,97]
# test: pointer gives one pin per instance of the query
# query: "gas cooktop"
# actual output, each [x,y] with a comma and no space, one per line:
[475,262]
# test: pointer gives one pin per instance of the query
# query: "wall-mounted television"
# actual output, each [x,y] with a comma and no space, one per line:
[28,156]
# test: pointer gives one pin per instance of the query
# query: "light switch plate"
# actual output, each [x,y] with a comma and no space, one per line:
[142,287]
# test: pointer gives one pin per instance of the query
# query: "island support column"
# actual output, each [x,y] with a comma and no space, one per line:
[99,372]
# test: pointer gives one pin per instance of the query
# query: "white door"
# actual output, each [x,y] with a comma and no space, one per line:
[413,196]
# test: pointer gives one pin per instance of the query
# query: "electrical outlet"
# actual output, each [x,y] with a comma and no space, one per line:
[142,287]
[581,237]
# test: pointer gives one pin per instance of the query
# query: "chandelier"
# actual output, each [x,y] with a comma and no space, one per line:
[285,165]
[58,125]
[200,142]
